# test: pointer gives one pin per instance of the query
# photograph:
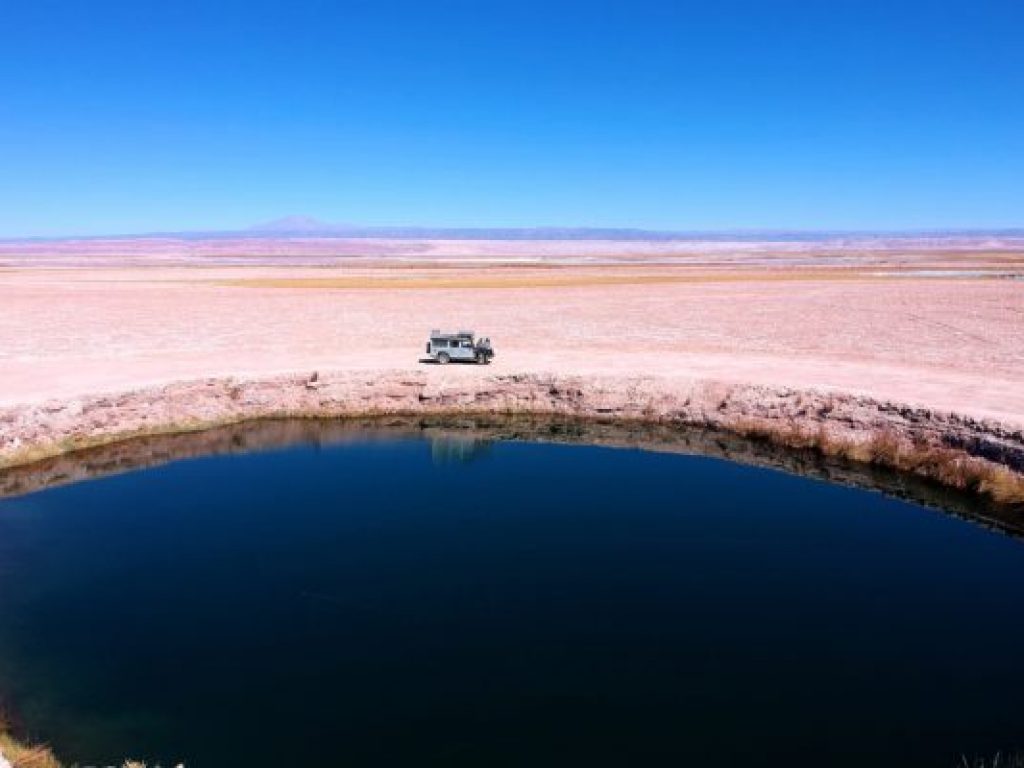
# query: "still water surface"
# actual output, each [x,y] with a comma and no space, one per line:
[374,604]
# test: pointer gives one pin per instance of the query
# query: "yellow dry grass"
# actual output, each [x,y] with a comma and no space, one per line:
[21,756]
[947,466]
[575,279]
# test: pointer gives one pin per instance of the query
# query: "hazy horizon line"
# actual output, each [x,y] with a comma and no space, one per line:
[302,226]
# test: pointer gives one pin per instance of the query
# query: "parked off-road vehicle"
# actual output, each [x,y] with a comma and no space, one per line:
[462,346]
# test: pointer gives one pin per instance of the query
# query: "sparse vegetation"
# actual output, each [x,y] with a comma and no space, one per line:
[885,448]
[21,755]
[25,756]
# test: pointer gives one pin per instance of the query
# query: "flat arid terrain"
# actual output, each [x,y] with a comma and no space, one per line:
[941,328]
[912,325]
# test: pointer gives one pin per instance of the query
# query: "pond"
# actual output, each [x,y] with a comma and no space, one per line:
[382,596]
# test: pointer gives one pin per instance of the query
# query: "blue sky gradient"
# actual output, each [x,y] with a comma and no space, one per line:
[121,117]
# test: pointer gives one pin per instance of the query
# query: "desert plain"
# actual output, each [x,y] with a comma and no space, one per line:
[936,327]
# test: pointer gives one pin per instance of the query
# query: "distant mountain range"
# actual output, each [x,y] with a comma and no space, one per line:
[306,226]
[309,227]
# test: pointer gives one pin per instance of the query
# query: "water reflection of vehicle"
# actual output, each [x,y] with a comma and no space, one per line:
[459,346]
[458,449]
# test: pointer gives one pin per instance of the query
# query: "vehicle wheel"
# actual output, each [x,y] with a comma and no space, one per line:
[481,359]
[443,358]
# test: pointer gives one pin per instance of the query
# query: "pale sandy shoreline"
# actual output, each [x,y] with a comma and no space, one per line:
[981,455]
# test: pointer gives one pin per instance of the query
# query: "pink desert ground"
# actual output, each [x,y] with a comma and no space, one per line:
[908,354]
[875,350]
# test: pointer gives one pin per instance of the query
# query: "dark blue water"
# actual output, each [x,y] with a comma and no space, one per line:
[540,605]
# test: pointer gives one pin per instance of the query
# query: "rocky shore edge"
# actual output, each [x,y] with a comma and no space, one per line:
[979,456]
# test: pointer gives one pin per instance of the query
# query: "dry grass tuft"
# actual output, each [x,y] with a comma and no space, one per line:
[36,756]
[886,448]
[1003,485]
[22,756]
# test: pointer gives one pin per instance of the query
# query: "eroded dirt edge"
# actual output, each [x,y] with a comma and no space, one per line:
[976,456]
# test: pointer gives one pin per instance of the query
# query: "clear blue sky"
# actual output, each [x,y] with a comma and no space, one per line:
[119,117]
